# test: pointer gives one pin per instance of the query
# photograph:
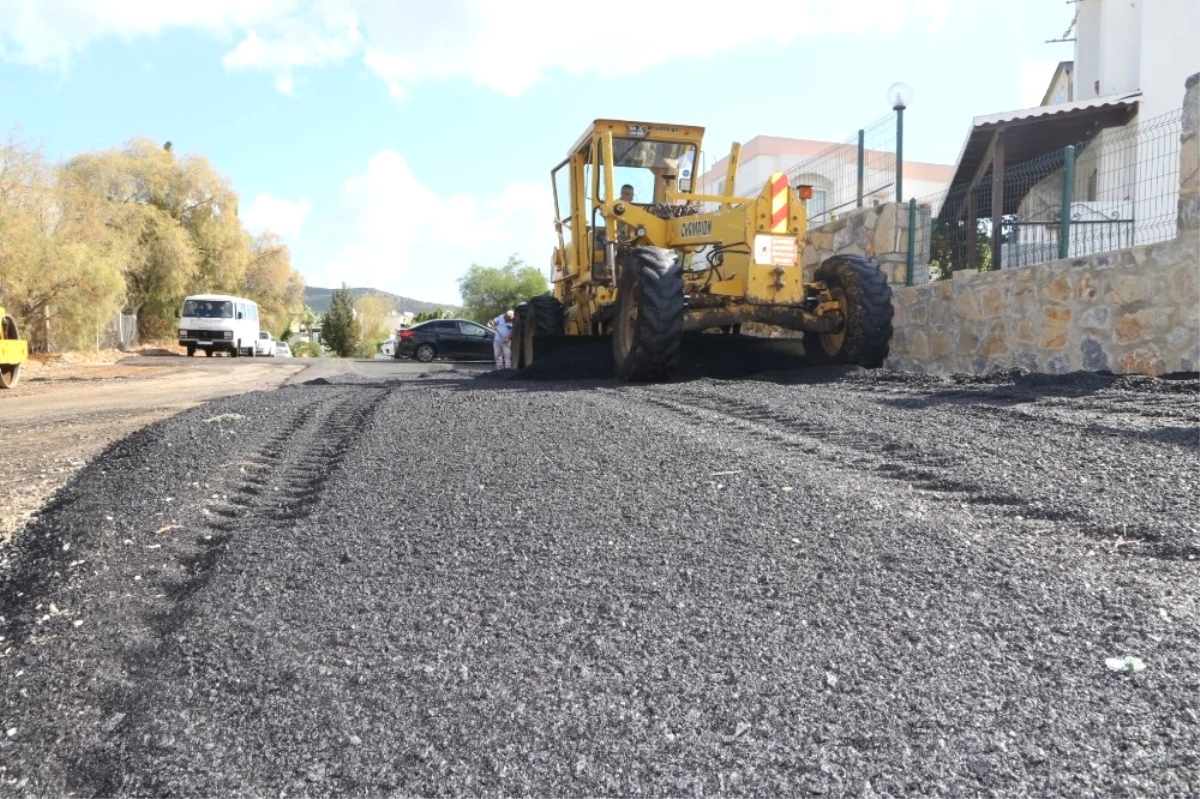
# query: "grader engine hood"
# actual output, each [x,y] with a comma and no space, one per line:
[764,235]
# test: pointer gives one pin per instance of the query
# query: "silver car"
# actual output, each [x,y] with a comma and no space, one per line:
[265,345]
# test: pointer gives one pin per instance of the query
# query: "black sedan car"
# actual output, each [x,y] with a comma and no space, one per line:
[445,338]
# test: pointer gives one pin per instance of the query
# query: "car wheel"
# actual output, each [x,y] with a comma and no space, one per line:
[424,353]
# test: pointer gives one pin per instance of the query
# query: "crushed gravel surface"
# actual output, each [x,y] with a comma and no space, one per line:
[822,582]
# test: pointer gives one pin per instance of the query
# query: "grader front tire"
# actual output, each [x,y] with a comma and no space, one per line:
[866,338]
[648,328]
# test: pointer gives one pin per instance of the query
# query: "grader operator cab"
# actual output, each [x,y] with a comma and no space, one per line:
[14,351]
[644,272]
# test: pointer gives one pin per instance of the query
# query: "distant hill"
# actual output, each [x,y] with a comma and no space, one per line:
[319,300]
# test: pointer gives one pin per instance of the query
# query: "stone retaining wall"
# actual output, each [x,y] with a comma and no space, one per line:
[879,232]
[1128,311]
[1133,311]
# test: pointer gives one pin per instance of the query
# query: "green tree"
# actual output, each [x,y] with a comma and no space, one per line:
[271,281]
[60,266]
[178,218]
[340,329]
[488,292]
[372,311]
[948,250]
[426,316]
[136,228]
[308,319]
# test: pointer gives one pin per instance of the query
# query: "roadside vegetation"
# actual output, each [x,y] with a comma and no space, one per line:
[129,230]
[488,292]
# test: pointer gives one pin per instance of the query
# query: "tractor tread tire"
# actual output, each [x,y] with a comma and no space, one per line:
[656,278]
[520,313]
[547,313]
[869,316]
[543,317]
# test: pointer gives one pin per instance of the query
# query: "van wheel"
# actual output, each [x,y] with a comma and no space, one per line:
[208,352]
[191,351]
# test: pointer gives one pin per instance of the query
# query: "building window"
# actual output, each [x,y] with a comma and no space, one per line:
[817,204]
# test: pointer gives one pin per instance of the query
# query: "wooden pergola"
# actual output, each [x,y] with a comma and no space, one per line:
[1015,137]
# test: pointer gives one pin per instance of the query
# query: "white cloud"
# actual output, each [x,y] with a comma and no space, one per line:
[49,33]
[281,217]
[286,84]
[491,43]
[1035,79]
[391,232]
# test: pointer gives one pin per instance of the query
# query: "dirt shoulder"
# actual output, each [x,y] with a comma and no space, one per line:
[67,410]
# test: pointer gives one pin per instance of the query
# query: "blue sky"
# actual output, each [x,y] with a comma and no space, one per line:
[394,143]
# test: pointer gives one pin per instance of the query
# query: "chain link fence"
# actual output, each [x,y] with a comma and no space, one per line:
[1115,190]
[849,174]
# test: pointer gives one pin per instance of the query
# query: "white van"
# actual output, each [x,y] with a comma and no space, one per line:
[212,322]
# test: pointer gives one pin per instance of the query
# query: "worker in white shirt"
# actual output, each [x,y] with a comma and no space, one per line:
[502,341]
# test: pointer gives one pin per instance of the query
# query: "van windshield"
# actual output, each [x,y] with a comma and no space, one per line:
[208,309]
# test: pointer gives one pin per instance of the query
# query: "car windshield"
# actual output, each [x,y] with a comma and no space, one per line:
[209,309]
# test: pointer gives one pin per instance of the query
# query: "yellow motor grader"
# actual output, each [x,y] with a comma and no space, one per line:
[14,351]
[642,259]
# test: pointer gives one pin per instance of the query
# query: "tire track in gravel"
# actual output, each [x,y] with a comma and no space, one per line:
[928,471]
[290,469]
[275,485]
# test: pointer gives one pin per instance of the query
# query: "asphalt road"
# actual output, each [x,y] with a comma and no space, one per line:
[821,583]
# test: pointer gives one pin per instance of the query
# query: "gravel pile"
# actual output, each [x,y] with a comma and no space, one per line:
[835,583]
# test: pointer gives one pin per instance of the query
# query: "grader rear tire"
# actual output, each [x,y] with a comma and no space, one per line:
[866,338]
[648,327]
[10,374]
[543,317]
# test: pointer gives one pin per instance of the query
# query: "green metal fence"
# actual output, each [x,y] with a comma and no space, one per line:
[1116,189]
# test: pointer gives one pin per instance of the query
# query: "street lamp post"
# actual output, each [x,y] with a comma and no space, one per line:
[899,95]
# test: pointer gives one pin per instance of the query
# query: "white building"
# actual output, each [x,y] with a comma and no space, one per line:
[830,168]
[1146,46]
[1119,103]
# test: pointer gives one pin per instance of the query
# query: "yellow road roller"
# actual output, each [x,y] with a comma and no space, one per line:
[14,351]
